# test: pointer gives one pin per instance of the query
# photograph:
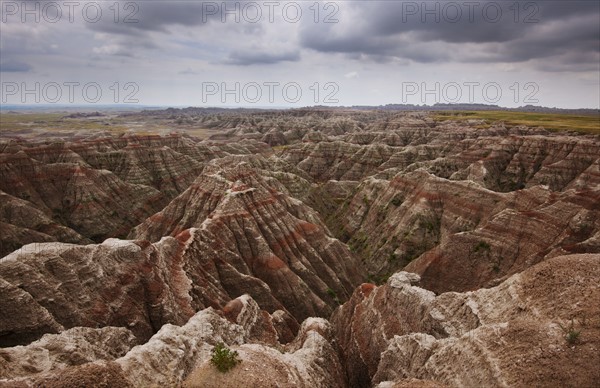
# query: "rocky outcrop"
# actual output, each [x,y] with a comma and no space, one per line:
[247,227]
[179,355]
[539,327]
[460,236]
[499,159]
[96,188]
[310,361]
[21,221]
[116,283]
[73,347]
[562,224]
[94,203]
[207,192]
[250,239]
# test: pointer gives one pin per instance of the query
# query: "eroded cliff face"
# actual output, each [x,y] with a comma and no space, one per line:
[461,206]
[329,249]
[93,189]
[249,238]
[519,333]
[460,236]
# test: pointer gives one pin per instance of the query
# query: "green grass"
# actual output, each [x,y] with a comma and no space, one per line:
[550,121]
[571,335]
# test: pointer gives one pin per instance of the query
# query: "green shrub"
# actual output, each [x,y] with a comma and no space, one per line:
[481,246]
[397,200]
[333,294]
[224,358]
[571,335]
[366,200]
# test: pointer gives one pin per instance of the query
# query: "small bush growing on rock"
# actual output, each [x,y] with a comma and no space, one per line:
[333,294]
[224,358]
[571,335]
[366,200]
[397,201]
[481,246]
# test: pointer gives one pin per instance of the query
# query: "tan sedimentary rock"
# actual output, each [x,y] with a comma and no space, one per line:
[515,334]
[310,361]
[250,239]
[96,188]
[179,355]
[73,347]
[277,218]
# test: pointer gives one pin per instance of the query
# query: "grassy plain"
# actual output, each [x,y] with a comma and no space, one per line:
[550,121]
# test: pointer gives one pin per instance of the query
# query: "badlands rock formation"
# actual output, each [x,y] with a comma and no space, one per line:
[395,335]
[256,241]
[96,188]
[509,335]
[329,248]
[179,355]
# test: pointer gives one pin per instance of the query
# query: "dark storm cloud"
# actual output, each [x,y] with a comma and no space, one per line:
[414,30]
[245,58]
[475,21]
[576,34]
[384,31]
[11,66]
[589,64]
[448,21]
[152,22]
[324,40]
[157,15]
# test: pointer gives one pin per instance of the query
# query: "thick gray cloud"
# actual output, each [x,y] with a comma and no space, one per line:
[168,47]
[139,17]
[474,21]
[484,31]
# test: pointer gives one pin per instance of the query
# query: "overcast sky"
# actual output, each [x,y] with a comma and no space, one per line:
[270,53]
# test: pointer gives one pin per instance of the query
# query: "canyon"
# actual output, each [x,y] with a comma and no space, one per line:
[329,248]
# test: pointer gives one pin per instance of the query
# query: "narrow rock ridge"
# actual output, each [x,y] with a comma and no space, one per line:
[93,189]
[255,240]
